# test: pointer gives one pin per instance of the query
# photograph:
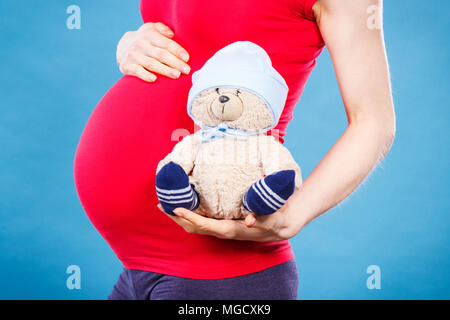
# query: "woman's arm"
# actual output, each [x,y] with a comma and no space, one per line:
[356,46]
[359,58]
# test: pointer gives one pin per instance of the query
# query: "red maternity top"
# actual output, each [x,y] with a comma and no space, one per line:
[137,123]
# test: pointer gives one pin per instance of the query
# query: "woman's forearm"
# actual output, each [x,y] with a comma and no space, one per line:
[344,167]
[360,63]
[359,58]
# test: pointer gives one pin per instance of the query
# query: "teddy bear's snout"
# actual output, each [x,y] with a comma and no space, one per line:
[227,107]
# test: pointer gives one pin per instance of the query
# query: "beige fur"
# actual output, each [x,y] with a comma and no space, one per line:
[255,116]
[222,170]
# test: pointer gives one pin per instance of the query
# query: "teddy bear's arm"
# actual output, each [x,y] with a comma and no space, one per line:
[183,153]
[276,157]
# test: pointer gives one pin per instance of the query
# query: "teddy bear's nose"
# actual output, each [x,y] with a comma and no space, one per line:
[223,99]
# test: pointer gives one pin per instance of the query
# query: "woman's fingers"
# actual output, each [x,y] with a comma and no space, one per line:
[170,46]
[188,226]
[154,65]
[134,69]
[167,58]
[158,36]
[225,229]
[201,222]
[163,29]
[185,224]
[152,48]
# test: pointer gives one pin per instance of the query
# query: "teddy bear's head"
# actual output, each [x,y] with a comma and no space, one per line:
[238,108]
[238,89]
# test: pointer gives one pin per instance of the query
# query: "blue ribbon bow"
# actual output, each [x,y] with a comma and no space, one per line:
[222,130]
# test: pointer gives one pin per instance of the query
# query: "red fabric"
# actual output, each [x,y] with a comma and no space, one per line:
[135,125]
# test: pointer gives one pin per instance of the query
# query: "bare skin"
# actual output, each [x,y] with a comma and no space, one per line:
[360,63]
[150,50]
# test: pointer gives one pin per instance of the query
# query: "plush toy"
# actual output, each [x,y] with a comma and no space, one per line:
[230,167]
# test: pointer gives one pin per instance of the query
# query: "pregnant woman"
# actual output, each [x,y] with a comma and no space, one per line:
[143,116]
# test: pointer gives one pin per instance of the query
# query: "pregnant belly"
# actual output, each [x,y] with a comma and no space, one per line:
[127,134]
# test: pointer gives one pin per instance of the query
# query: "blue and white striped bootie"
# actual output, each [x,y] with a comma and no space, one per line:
[173,189]
[269,194]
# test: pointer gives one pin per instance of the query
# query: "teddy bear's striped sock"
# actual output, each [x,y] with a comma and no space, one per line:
[173,189]
[269,194]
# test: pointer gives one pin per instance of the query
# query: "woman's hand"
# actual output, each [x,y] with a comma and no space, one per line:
[151,50]
[281,225]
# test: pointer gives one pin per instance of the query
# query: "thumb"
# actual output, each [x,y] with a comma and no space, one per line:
[250,220]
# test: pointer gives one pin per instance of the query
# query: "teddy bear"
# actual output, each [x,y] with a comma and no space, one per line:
[231,167]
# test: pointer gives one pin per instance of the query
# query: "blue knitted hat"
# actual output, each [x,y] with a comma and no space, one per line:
[243,65]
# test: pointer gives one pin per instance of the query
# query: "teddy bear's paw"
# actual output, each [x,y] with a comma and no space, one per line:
[269,194]
[173,189]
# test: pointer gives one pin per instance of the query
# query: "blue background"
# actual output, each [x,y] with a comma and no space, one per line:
[52,78]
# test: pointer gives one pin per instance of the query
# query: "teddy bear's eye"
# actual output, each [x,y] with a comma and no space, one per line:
[237,92]
[217,90]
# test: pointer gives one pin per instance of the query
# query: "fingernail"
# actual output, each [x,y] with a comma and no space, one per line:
[186,69]
[175,73]
[178,212]
[151,78]
[184,56]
